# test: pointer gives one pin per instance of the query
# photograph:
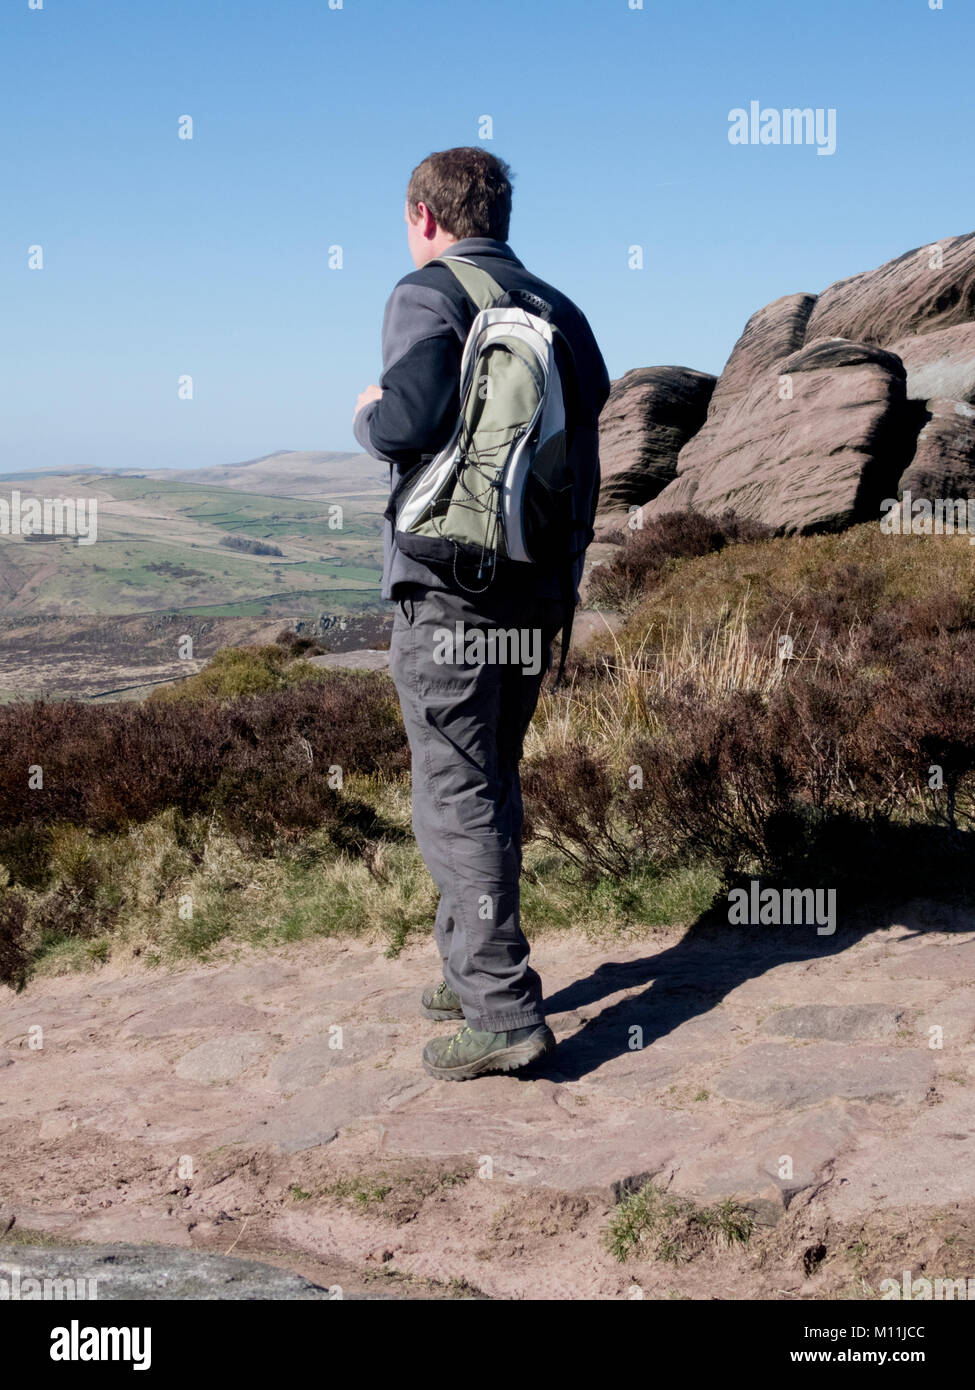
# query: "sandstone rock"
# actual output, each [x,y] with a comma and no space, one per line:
[836,1022]
[146,1272]
[221,1059]
[370,659]
[308,1063]
[592,623]
[777,330]
[556,1146]
[944,461]
[835,444]
[639,1074]
[650,415]
[775,1164]
[935,962]
[927,1168]
[902,297]
[313,1116]
[302,1122]
[788,1078]
[187,1018]
[939,364]
[714,1028]
[773,332]
[954,1016]
[819,461]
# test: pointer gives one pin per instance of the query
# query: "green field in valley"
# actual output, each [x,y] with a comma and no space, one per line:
[158,549]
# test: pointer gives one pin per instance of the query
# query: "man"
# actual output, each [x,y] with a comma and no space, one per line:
[466,722]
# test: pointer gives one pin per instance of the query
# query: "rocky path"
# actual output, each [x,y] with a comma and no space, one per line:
[274,1107]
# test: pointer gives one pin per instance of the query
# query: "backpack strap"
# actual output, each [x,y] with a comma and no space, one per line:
[568,595]
[481,287]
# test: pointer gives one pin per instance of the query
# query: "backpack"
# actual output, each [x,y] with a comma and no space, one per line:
[501,490]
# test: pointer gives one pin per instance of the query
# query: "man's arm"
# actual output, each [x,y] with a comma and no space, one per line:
[416,408]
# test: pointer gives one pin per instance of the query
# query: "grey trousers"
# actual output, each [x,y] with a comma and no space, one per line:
[467,702]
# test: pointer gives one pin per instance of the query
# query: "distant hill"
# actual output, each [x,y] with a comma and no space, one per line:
[294,473]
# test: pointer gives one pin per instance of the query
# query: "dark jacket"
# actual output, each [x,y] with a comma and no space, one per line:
[425,325]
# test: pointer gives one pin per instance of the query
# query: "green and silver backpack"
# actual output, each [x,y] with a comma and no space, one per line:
[501,489]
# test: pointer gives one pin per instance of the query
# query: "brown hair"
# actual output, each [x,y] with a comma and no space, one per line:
[467,190]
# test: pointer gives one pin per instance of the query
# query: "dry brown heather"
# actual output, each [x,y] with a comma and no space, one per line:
[782,701]
[691,750]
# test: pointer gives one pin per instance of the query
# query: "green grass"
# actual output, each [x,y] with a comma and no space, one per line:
[355,1190]
[556,896]
[656,1225]
[398,1192]
[134,883]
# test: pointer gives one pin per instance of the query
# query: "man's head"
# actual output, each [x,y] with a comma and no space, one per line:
[455,194]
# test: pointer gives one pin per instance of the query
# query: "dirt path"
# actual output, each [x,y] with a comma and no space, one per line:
[275,1107]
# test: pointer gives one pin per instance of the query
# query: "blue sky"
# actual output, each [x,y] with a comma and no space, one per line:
[210,257]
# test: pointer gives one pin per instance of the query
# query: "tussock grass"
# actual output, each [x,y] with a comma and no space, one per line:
[557,897]
[176,889]
[237,671]
[654,1224]
[670,657]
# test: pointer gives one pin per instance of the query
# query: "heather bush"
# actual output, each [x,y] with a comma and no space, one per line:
[266,770]
[575,801]
[928,714]
[260,759]
[816,764]
[853,618]
[649,551]
[710,782]
[296,645]
[14,955]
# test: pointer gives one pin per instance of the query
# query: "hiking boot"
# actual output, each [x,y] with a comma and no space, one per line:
[469,1053]
[440,1002]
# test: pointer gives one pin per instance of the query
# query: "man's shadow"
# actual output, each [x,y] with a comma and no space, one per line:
[686,980]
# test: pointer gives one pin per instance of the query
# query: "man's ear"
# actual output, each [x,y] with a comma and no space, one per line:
[428,223]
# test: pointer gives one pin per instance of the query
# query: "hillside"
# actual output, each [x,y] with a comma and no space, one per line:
[160,549]
[296,473]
